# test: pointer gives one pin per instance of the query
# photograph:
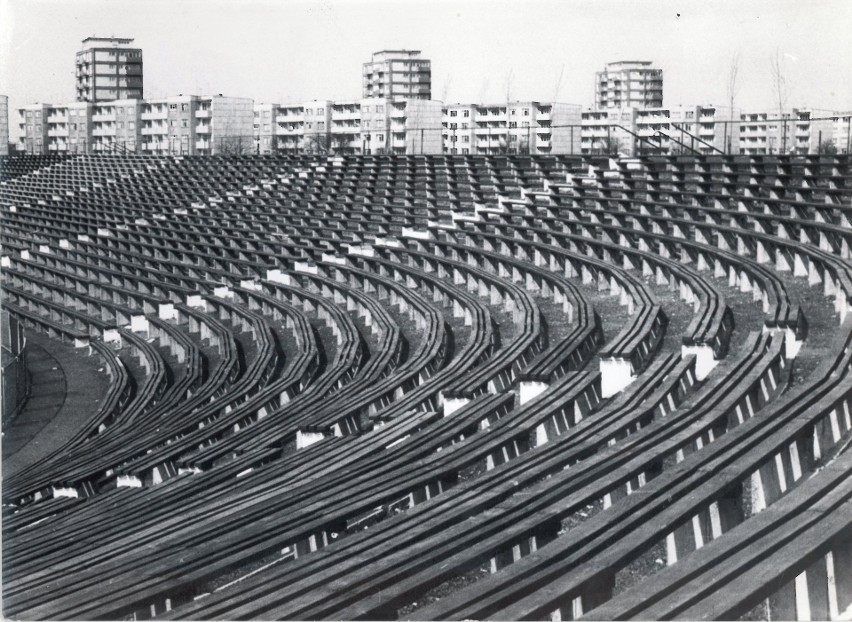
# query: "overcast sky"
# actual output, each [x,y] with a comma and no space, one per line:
[287,51]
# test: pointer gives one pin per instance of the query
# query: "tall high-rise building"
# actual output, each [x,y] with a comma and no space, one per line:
[398,74]
[108,68]
[629,84]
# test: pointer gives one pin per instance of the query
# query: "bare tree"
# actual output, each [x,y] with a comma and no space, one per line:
[733,89]
[607,145]
[733,81]
[316,143]
[339,143]
[827,147]
[779,83]
[234,145]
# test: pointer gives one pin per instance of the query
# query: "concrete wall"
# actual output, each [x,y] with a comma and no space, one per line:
[565,139]
[231,122]
[4,125]
[423,126]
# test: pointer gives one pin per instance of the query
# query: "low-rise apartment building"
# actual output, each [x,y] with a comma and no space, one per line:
[610,131]
[32,129]
[513,127]
[369,125]
[182,125]
[797,131]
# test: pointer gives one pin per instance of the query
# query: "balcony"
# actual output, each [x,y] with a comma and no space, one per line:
[103,131]
[155,130]
[102,117]
[156,114]
[202,113]
[346,115]
[202,128]
[202,144]
[57,131]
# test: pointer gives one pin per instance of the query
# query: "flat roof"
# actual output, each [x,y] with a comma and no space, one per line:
[630,62]
[90,42]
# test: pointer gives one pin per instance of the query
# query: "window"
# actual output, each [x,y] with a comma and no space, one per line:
[453,126]
[381,138]
[526,112]
[465,125]
[309,111]
[466,113]
[121,125]
[465,139]
[131,125]
[73,126]
[172,106]
[184,123]
[173,123]
[321,125]
[366,109]
[513,124]
[320,111]
[465,151]
[380,108]
[454,113]
[366,123]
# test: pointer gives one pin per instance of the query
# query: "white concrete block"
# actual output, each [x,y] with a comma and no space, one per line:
[452,404]
[615,375]
[531,389]
[306,439]
[705,361]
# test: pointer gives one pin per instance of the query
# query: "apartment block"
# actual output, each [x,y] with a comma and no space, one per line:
[263,128]
[685,129]
[629,84]
[842,132]
[371,125]
[293,127]
[345,133]
[4,125]
[795,131]
[512,127]
[397,74]
[69,128]
[108,68]
[608,132]
[196,125]
[32,129]
[400,126]
[117,126]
